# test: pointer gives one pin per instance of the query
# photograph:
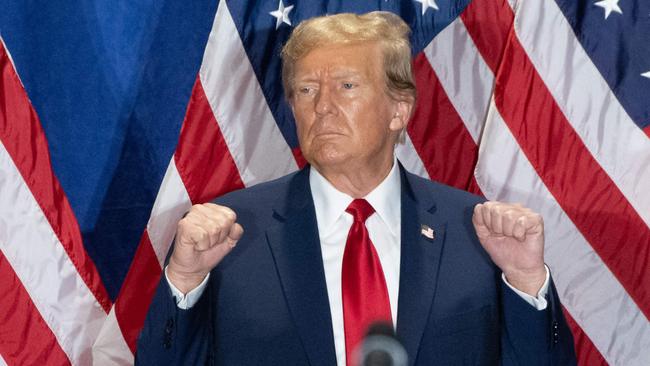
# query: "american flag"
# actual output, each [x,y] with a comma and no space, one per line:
[115,117]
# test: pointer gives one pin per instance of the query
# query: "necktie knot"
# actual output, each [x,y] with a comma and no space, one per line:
[360,209]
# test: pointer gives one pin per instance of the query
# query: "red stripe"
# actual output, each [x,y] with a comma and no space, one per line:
[647,130]
[137,291]
[582,188]
[202,156]
[586,352]
[25,338]
[23,137]
[488,23]
[438,133]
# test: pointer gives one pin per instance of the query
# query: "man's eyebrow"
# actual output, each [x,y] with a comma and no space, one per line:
[346,74]
[337,75]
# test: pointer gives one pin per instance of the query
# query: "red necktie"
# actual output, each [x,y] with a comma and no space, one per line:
[365,296]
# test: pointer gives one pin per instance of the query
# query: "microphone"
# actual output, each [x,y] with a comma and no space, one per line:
[381,347]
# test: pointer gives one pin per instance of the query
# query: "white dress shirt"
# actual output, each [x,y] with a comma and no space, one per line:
[384,228]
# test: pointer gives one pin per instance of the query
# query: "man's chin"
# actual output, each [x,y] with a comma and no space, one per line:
[329,161]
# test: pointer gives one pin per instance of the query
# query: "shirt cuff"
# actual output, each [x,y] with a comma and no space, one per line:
[538,302]
[186,301]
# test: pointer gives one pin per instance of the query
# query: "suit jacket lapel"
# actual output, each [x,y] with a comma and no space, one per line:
[420,260]
[295,245]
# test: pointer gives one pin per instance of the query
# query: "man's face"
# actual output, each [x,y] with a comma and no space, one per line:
[344,115]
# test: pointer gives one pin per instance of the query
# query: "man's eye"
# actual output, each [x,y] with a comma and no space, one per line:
[348,85]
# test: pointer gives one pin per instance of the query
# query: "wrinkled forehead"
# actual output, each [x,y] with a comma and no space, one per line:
[340,59]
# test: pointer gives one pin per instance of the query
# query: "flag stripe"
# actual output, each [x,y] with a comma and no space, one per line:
[463,75]
[586,352]
[489,22]
[23,138]
[592,109]
[173,201]
[25,338]
[588,289]
[111,347]
[409,157]
[43,266]
[137,292]
[437,132]
[618,234]
[202,157]
[251,134]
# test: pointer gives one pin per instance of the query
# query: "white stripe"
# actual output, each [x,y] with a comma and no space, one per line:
[110,347]
[618,145]
[463,74]
[409,157]
[171,204]
[2,361]
[588,290]
[44,268]
[253,138]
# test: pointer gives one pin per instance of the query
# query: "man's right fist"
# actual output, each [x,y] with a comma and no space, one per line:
[204,236]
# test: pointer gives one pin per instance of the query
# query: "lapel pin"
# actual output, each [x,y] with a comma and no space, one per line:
[427,231]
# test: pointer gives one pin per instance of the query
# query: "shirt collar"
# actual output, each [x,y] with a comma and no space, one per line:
[330,203]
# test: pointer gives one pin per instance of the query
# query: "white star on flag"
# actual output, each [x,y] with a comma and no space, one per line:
[426,4]
[646,74]
[609,6]
[281,15]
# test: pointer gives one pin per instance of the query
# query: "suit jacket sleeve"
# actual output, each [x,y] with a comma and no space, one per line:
[173,336]
[533,337]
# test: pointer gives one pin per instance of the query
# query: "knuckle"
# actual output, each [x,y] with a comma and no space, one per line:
[201,234]
[212,229]
[230,214]
[182,223]
[511,214]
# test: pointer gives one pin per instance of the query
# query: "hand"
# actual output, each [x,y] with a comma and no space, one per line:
[513,236]
[203,238]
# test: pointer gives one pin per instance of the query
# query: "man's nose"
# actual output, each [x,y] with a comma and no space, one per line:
[324,100]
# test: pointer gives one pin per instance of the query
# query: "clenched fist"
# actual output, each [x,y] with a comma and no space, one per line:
[204,236]
[513,236]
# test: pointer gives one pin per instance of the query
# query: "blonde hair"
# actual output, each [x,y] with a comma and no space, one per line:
[378,26]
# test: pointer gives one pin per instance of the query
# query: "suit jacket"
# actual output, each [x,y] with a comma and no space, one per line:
[266,302]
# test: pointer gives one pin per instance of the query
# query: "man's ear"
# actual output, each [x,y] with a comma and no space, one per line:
[402,114]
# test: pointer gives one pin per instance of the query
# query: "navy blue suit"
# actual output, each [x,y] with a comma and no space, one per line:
[266,302]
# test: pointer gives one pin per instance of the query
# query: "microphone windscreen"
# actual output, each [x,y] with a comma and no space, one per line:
[381,347]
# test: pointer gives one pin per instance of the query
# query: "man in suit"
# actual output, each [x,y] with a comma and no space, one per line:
[354,238]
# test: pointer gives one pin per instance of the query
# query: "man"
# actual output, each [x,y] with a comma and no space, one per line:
[354,238]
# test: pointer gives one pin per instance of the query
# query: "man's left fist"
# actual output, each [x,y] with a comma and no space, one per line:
[513,236]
